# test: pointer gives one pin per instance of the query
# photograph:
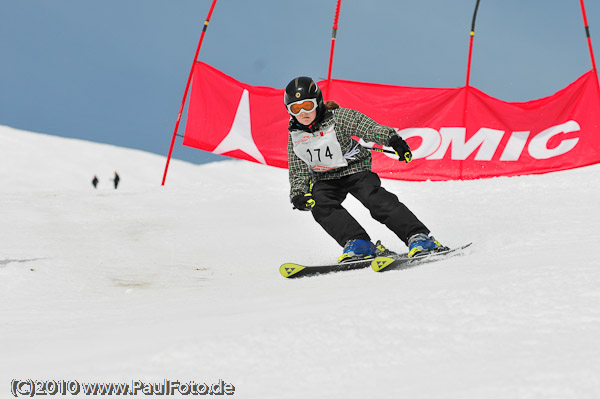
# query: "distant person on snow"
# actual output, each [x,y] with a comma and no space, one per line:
[326,164]
[116,180]
[95,181]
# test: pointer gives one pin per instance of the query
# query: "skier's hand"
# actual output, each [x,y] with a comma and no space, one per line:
[401,148]
[303,202]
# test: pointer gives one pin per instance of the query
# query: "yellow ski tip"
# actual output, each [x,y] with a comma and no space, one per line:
[381,262]
[289,269]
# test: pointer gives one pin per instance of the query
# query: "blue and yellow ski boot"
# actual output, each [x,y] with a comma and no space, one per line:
[422,244]
[362,249]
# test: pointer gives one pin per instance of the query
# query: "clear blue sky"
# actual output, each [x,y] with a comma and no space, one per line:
[115,71]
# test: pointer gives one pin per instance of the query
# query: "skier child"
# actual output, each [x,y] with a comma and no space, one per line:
[326,164]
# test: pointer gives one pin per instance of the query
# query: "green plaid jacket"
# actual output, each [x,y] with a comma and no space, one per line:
[348,123]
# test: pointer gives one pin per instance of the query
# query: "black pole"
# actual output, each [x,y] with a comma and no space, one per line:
[474,16]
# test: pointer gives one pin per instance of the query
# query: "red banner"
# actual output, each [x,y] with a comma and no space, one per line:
[454,133]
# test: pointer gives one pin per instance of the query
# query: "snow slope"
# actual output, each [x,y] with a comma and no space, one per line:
[181,282]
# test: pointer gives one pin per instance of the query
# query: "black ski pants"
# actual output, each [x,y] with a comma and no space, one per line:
[366,187]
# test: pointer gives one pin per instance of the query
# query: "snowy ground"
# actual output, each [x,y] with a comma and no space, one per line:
[181,282]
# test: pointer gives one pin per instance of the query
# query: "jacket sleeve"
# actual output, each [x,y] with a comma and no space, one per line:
[300,177]
[360,125]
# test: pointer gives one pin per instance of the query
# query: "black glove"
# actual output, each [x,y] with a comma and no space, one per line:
[303,202]
[401,148]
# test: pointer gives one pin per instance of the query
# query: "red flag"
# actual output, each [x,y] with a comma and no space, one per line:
[454,133]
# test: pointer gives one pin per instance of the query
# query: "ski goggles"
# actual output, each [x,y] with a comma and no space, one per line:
[296,108]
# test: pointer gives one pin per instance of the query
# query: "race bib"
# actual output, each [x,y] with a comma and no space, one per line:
[320,150]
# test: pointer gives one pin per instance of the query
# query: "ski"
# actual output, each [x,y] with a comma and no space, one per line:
[294,270]
[386,263]
[393,261]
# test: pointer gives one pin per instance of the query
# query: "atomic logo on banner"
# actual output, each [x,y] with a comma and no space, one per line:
[435,144]
[240,135]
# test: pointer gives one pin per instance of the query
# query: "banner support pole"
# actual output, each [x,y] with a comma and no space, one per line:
[468,78]
[187,87]
[589,40]
[333,37]
[587,33]
[471,44]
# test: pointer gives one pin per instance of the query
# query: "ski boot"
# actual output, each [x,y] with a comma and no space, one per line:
[357,250]
[422,244]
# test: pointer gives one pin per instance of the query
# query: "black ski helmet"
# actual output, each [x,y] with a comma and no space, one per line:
[303,88]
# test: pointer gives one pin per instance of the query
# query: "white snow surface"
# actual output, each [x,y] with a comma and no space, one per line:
[182,282]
